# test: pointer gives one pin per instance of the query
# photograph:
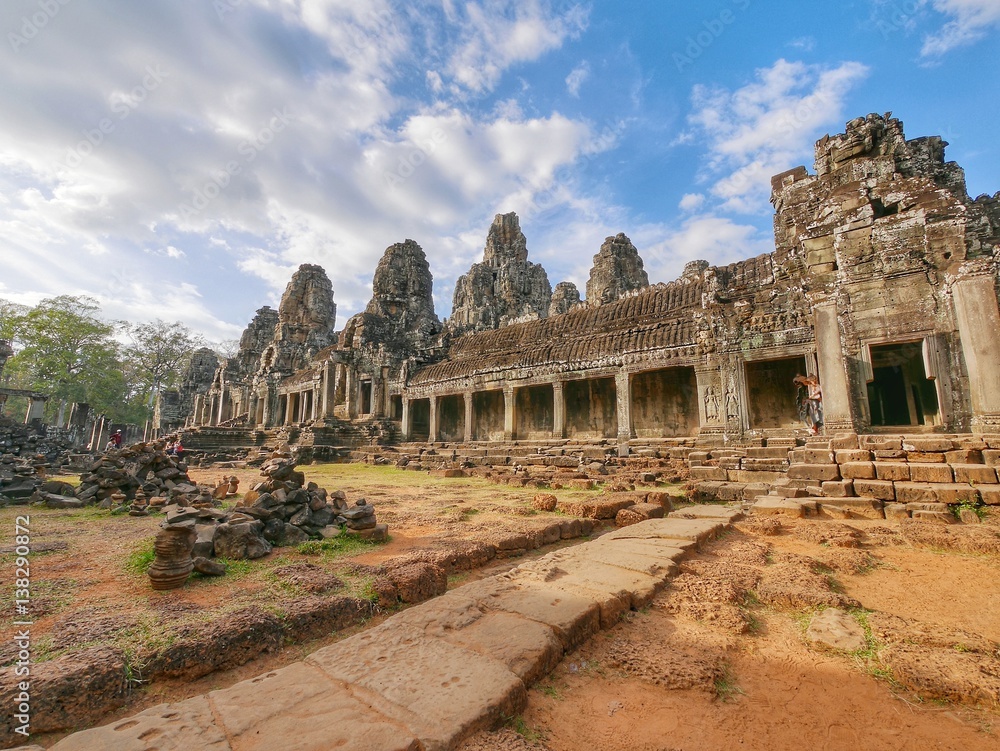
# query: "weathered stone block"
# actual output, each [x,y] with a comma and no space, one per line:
[953,493]
[925,457]
[931,473]
[846,456]
[818,456]
[892,471]
[896,511]
[911,507]
[928,444]
[838,488]
[889,454]
[964,456]
[857,470]
[991,457]
[818,472]
[709,473]
[975,473]
[916,492]
[941,517]
[990,495]
[882,489]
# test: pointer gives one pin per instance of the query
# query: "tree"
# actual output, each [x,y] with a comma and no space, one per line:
[67,352]
[155,357]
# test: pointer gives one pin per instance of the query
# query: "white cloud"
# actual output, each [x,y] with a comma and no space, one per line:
[971,20]
[498,34]
[577,77]
[691,201]
[718,240]
[196,204]
[767,126]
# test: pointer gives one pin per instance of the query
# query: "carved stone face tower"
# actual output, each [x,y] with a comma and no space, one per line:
[505,286]
[306,319]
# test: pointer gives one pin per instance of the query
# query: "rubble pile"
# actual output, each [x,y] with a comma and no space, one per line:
[280,510]
[162,477]
[26,457]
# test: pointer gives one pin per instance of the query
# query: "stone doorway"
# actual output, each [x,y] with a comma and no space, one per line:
[771,393]
[900,394]
[420,419]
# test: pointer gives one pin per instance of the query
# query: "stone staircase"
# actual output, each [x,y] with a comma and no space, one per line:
[892,477]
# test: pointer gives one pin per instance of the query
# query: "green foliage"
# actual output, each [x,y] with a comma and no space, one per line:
[156,355]
[65,349]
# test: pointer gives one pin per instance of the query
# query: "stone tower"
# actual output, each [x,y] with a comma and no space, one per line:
[617,269]
[506,286]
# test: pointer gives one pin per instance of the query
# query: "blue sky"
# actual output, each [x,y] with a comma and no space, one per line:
[178,159]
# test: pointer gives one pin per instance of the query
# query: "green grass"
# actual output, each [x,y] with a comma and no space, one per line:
[726,688]
[336,547]
[141,558]
[868,657]
[519,726]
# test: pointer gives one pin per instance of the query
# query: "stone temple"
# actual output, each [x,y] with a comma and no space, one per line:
[883,283]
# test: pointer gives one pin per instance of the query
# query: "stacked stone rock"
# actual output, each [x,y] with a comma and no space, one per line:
[161,476]
[893,477]
[25,458]
[280,510]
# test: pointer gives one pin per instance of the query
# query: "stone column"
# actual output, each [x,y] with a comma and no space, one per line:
[316,397]
[352,392]
[558,409]
[268,409]
[290,405]
[623,398]
[508,413]
[328,394]
[378,394]
[36,409]
[3,403]
[467,396]
[407,418]
[832,368]
[432,434]
[978,319]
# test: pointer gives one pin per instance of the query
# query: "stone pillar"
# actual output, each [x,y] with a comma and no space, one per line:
[832,368]
[508,413]
[316,398]
[352,393]
[978,320]
[558,409]
[432,434]
[468,417]
[290,407]
[407,418]
[36,409]
[3,403]
[326,406]
[623,398]
[378,395]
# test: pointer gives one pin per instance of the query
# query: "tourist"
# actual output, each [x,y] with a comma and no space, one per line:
[809,399]
[116,439]
[171,447]
[179,450]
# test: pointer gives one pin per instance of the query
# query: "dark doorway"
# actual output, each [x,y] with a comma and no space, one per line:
[900,392]
[420,419]
[366,397]
[771,393]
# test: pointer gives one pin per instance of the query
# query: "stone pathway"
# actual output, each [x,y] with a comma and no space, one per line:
[432,675]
